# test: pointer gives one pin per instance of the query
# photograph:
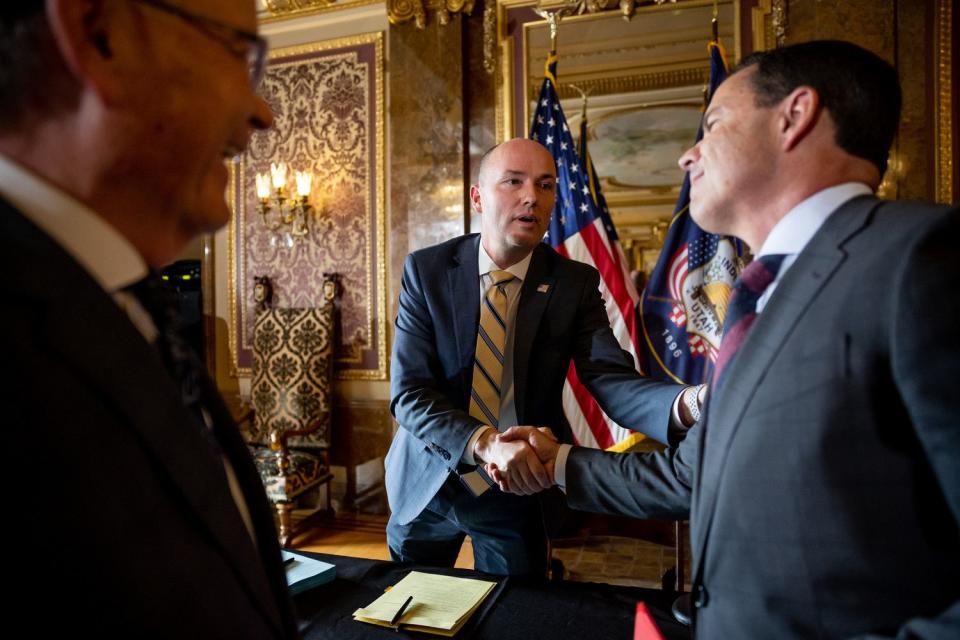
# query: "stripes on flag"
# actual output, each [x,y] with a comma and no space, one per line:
[581,229]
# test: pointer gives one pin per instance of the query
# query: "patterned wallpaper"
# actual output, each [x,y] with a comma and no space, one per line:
[327,101]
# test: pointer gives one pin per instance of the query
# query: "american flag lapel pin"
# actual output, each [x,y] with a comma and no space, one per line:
[543,288]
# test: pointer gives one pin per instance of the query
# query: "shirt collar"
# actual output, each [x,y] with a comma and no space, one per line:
[106,255]
[486,264]
[792,233]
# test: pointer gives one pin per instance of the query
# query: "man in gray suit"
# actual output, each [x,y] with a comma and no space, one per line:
[141,507]
[451,390]
[823,482]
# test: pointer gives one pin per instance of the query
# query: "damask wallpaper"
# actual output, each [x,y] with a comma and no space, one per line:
[328,106]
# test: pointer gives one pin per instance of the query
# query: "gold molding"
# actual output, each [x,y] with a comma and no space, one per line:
[945,103]
[769,22]
[285,9]
[379,259]
[680,75]
[625,84]
[400,11]
[759,19]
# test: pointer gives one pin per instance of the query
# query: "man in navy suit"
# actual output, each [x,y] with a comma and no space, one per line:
[140,506]
[823,482]
[554,314]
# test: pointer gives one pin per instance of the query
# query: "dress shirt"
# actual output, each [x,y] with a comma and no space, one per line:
[789,236]
[105,254]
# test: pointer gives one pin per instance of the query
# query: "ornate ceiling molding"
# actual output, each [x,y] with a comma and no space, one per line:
[273,10]
[400,11]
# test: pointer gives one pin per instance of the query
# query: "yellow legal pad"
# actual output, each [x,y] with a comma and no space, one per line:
[441,604]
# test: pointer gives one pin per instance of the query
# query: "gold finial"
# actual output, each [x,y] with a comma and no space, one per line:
[553,18]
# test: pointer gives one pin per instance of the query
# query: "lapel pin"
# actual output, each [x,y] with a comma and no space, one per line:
[543,288]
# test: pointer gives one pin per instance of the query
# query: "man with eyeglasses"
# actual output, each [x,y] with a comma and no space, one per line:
[143,511]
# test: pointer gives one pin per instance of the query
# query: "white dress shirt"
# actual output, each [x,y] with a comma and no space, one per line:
[789,236]
[110,259]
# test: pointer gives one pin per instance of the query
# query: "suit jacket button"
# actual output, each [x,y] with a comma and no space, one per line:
[700,596]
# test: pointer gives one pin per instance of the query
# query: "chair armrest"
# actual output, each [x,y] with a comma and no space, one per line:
[278,438]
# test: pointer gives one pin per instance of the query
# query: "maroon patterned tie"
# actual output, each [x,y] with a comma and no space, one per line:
[742,308]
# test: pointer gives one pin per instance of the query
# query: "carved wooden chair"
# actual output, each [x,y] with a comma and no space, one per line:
[288,429]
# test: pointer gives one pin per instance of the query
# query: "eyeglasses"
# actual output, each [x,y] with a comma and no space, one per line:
[240,43]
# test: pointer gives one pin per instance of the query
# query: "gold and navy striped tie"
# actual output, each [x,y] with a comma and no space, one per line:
[488,361]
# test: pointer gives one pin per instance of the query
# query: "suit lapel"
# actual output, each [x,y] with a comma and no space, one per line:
[537,289]
[97,340]
[463,280]
[794,294]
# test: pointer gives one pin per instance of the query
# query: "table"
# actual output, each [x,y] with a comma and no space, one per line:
[525,609]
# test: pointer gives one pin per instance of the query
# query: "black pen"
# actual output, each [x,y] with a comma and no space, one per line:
[289,561]
[399,613]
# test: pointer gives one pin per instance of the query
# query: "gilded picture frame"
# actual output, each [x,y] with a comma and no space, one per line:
[329,109]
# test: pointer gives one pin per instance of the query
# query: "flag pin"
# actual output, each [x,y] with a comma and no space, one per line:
[543,288]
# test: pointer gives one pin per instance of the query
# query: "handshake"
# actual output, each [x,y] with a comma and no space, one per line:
[520,460]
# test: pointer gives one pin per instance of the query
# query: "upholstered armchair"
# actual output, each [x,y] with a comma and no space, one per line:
[288,430]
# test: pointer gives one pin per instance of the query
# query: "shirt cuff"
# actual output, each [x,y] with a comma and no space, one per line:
[560,466]
[468,452]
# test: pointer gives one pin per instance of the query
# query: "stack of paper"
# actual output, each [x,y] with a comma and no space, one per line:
[440,605]
[305,573]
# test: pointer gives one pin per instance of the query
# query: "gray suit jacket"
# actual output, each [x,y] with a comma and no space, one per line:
[127,524]
[560,318]
[823,484]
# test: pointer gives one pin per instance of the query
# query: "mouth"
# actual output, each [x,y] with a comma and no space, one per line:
[526,219]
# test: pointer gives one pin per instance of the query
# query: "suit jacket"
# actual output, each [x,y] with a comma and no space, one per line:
[129,525]
[825,477]
[560,317]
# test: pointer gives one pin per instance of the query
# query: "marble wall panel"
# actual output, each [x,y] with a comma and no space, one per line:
[427,179]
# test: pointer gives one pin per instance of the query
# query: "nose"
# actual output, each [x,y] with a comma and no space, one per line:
[689,157]
[261,117]
[528,195]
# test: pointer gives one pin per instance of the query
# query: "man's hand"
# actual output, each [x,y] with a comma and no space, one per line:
[514,462]
[542,443]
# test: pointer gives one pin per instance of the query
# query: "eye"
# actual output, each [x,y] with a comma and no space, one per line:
[546,186]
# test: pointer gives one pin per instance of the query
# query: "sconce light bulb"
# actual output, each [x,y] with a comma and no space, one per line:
[263,186]
[278,170]
[304,179]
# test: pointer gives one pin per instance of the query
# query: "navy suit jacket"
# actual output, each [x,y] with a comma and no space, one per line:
[560,317]
[127,524]
[825,477]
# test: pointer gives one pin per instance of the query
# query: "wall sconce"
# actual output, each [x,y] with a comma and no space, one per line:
[276,207]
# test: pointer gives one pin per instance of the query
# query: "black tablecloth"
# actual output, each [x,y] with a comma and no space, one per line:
[519,608]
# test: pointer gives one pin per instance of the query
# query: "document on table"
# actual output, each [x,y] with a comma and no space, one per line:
[305,573]
[440,605]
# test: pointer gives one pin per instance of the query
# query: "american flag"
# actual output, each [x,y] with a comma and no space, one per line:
[581,229]
[685,300]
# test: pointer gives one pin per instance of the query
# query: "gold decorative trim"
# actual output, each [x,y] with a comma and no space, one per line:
[680,75]
[628,84]
[379,297]
[944,87]
[780,21]
[760,21]
[400,11]
[285,9]
[490,37]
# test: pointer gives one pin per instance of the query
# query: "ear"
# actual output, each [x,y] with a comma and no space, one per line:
[799,114]
[475,198]
[83,32]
